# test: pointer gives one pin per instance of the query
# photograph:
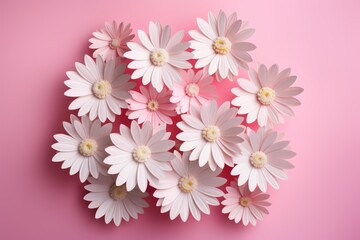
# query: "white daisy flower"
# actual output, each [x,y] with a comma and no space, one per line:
[110,42]
[262,160]
[211,134]
[159,58]
[100,88]
[114,202]
[83,148]
[267,96]
[243,205]
[139,156]
[221,46]
[195,90]
[188,189]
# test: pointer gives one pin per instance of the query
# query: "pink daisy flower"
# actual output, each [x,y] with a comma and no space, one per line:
[195,90]
[149,105]
[111,41]
[267,96]
[243,205]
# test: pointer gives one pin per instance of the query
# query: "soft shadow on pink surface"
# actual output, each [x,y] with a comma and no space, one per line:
[319,40]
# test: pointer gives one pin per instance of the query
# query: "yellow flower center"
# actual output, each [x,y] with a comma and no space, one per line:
[152,105]
[192,90]
[87,147]
[222,45]
[114,43]
[245,201]
[266,95]
[118,193]
[187,184]
[141,154]
[258,159]
[211,133]
[101,89]
[159,57]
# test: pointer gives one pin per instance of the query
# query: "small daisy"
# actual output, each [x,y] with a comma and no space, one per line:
[82,150]
[195,90]
[100,88]
[110,42]
[114,202]
[160,57]
[211,134]
[221,46]
[262,160]
[139,156]
[188,189]
[149,105]
[267,96]
[243,205]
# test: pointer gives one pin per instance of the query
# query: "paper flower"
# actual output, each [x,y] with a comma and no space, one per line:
[221,46]
[159,58]
[111,41]
[195,90]
[267,96]
[262,160]
[114,202]
[100,88]
[243,205]
[82,149]
[120,166]
[149,105]
[138,156]
[188,189]
[211,134]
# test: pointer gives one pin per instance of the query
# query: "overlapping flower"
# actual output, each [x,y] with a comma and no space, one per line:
[121,164]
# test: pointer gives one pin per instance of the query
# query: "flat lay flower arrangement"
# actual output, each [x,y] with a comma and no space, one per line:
[185,170]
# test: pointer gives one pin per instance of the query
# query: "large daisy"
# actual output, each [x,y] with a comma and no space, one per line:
[243,205]
[220,47]
[111,41]
[100,88]
[138,156]
[267,96]
[159,58]
[195,90]
[82,148]
[114,202]
[211,134]
[149,105]
[188,189]
[262,160]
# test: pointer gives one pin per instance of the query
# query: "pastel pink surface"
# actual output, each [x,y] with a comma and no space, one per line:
[319,40]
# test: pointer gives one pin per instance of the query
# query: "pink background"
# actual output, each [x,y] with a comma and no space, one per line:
[41,40]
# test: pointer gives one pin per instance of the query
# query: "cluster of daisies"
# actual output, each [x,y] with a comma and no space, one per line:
[121,165]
